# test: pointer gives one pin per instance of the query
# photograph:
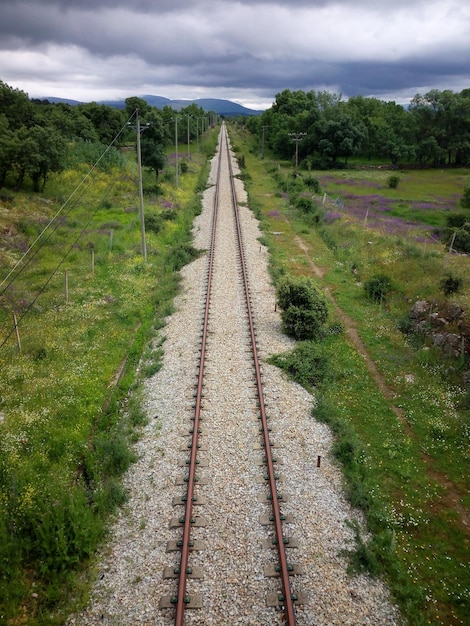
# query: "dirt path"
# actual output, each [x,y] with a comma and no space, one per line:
[451,497]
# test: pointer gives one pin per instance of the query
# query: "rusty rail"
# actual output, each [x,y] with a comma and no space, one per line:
[287,597]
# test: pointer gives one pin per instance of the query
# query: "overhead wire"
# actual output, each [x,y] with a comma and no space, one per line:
[41,234]
[54,223]
[56,269]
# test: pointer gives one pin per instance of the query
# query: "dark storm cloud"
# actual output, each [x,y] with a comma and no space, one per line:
[241,50]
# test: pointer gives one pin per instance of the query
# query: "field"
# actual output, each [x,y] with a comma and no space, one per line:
[399,407]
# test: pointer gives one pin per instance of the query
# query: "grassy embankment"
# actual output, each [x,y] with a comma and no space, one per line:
[69,401]
[398,409]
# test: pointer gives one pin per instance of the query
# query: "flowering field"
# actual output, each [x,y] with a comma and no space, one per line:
[420,203]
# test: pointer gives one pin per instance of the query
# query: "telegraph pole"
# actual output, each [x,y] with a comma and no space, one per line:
[297,137]
[189,149]
[141,191]
[176,151]
[263,128]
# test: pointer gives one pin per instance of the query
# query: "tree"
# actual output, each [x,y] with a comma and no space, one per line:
[8,147]
[16,106]
[107,121]
[38,151]
[153,142]
[303,310]
[340,136]
[51,153]
[134,103]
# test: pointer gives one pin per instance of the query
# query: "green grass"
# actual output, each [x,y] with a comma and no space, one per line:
[65,439]
[405,452]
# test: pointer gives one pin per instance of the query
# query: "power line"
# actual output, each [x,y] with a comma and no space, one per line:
[297,137]
[41,234]
[58,266]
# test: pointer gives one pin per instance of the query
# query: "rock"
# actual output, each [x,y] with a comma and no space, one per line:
[420,309]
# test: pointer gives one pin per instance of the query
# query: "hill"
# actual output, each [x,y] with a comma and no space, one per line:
[226,108]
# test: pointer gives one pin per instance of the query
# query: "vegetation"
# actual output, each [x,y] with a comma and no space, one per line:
[88,307]
[38,139]
[396,403]
[303,311]
[434,130]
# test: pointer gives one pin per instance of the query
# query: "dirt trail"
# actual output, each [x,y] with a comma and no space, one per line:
[451,498]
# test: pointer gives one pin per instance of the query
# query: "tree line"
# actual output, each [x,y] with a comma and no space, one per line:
[434,130]
[38,138]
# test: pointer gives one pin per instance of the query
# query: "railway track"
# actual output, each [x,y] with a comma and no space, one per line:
[223,553]
[225,206]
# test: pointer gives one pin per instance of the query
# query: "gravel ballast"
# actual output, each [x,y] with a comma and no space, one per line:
[129,582]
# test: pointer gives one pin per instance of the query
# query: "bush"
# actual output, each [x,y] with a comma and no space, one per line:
[312,183]
[378,287]
[451,284]
[465,201]
[306,363]
[459,238]
[458,220]
[153,222]
[393,181]
[304,311]
[305,204]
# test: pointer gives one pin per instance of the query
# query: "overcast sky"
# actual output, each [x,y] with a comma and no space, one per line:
[245,51]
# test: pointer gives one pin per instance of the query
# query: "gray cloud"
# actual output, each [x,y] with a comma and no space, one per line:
[247,51]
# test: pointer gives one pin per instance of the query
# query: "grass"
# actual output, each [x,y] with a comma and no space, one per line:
[70,400]
[401,428]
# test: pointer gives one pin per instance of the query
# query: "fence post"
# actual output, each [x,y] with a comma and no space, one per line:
[17,332]
[66,284]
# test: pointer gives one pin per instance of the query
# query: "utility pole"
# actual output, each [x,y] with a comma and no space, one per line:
[176,151]
[297,137]
[263,128]
[189,149]
[141,190]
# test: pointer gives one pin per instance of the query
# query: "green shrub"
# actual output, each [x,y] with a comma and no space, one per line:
[306,363]
[305,204]
[393,181]
[378,287]
[458,220]
[465,201]
[312,183]
[451,284]
[153,222]
[182,255]
[64,533]
[460,238]
[303,310]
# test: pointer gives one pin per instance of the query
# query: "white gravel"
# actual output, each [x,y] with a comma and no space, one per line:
[129,581]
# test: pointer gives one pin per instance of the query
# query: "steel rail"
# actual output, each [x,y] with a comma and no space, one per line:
[285,579]
[182,600]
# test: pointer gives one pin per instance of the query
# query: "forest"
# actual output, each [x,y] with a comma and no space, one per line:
[433,131]
[38,138]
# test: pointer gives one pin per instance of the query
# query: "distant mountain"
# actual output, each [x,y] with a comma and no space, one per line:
[226,108]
